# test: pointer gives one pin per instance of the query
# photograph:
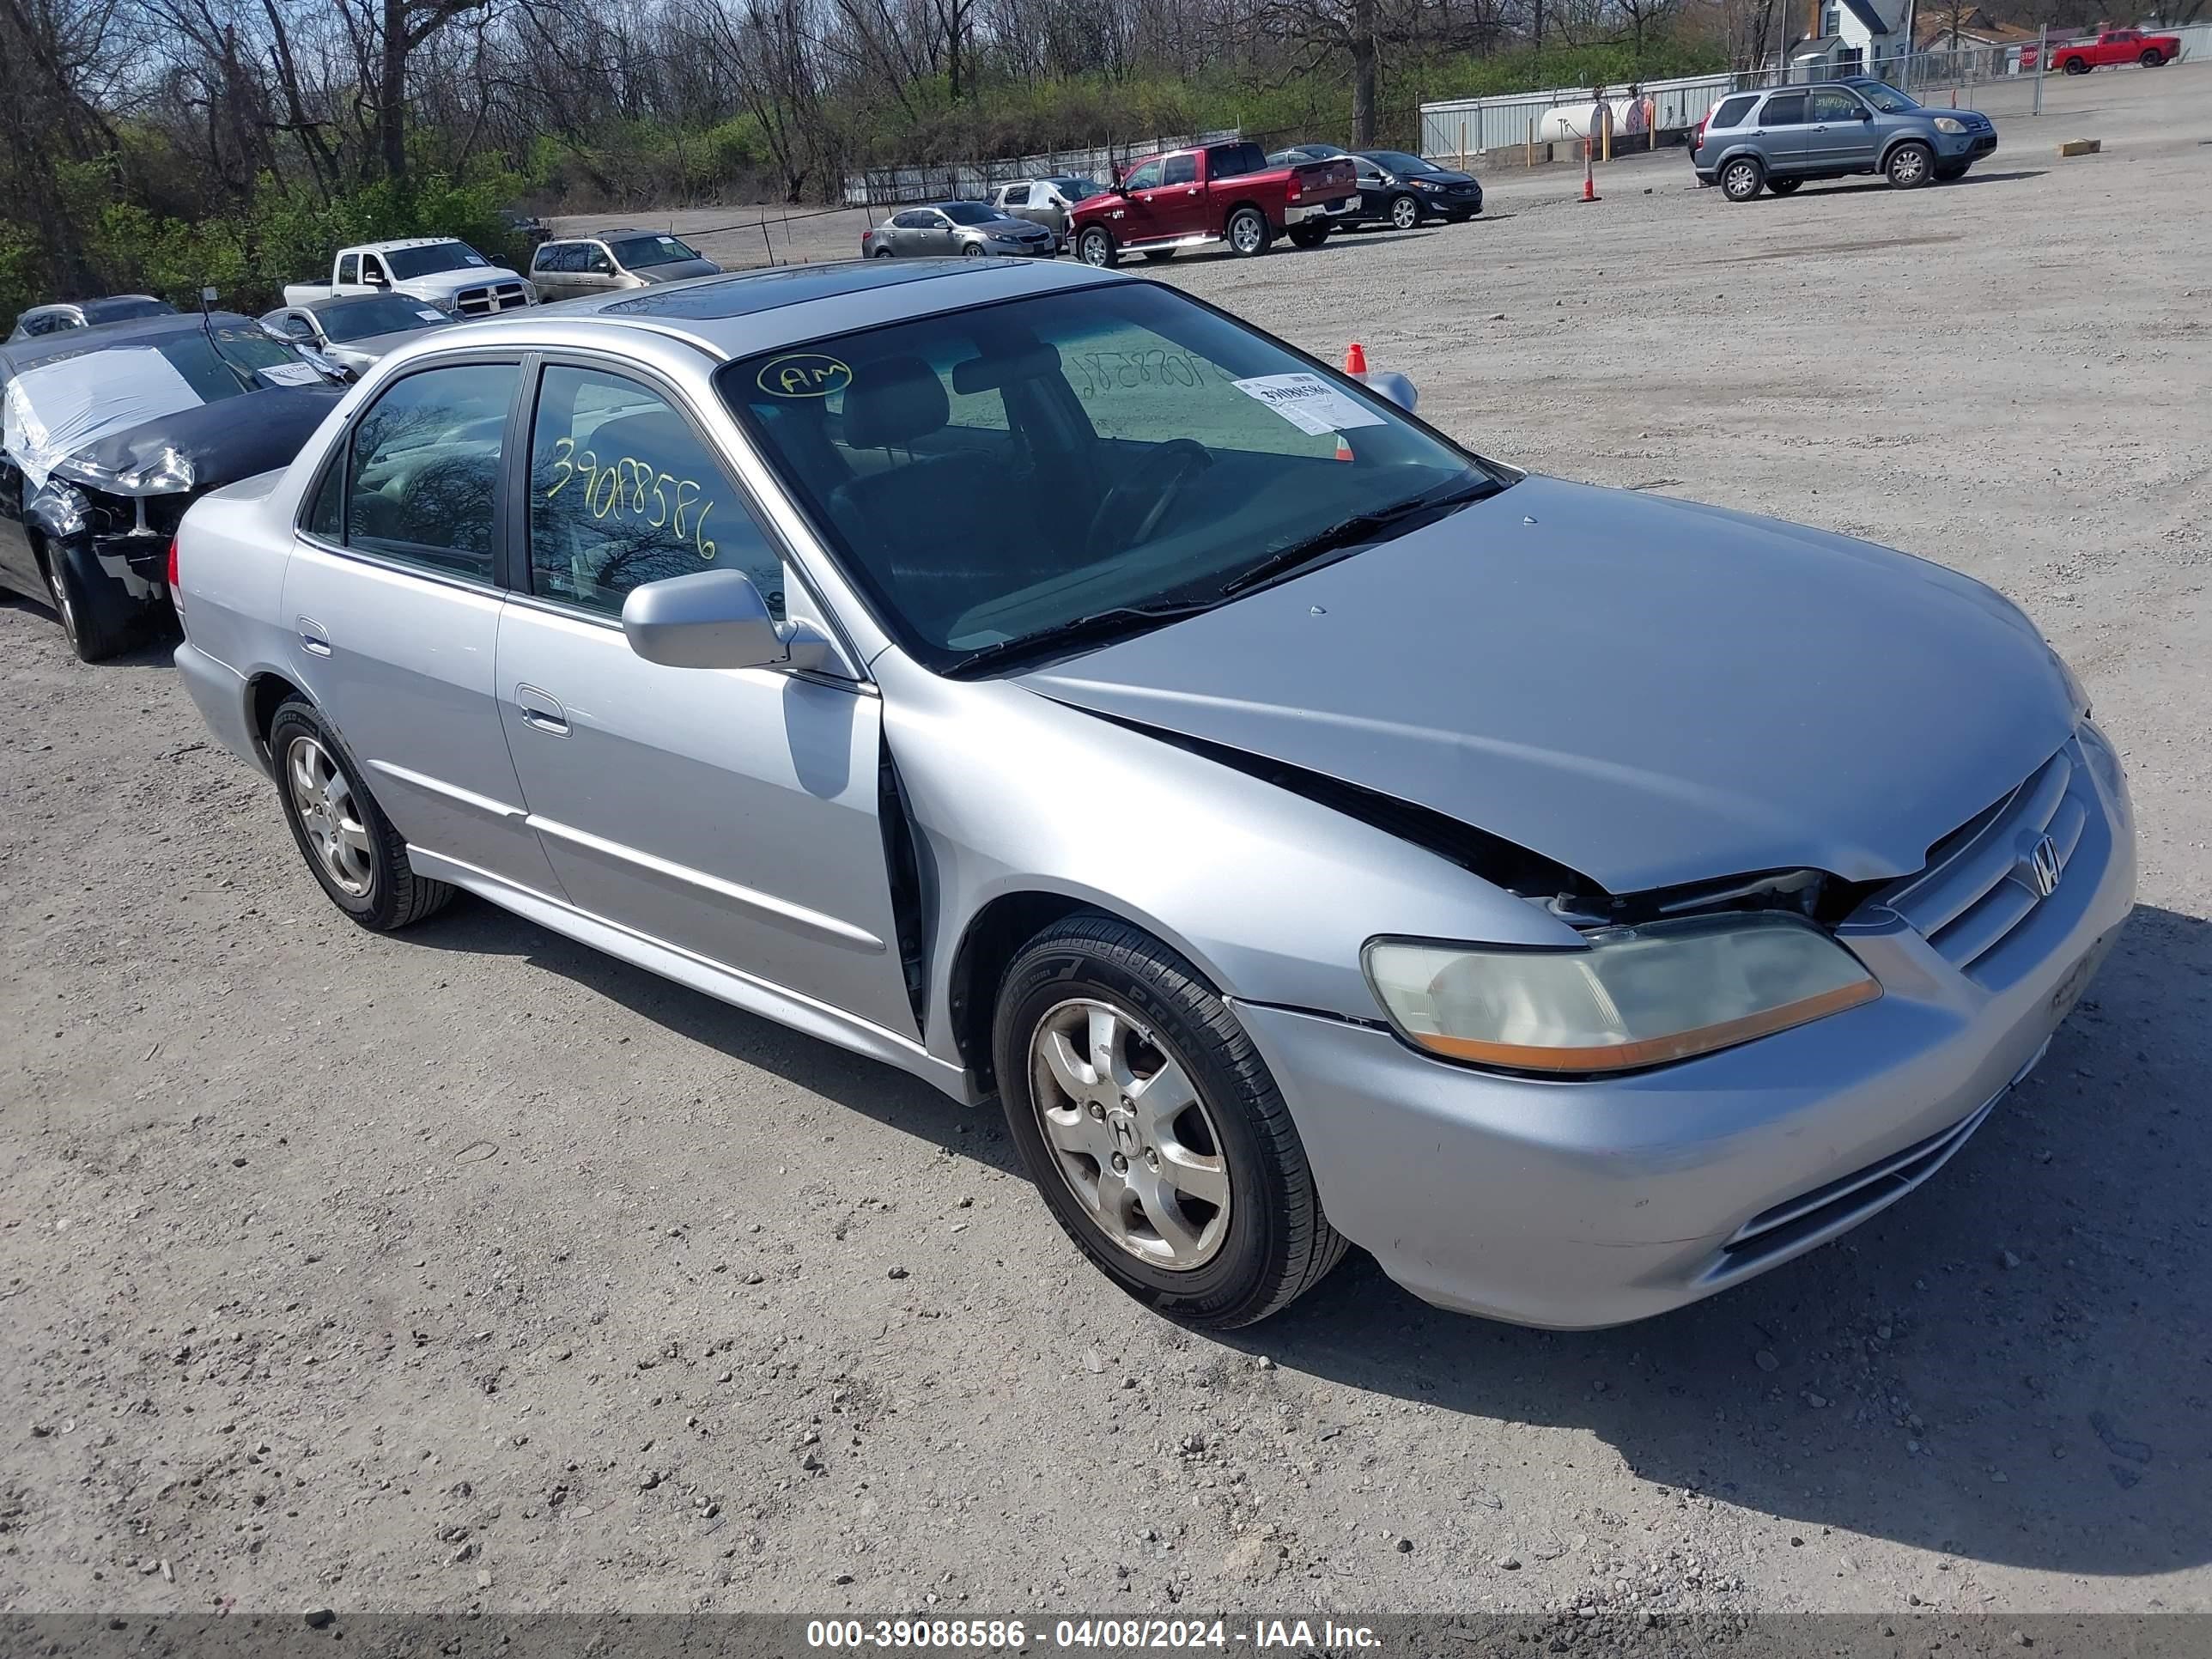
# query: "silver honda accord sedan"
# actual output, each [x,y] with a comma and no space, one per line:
[1312,831]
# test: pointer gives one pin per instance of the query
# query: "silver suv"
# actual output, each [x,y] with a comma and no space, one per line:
[1777,140]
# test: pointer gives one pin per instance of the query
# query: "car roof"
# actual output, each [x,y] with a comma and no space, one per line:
[399,243]
[738,313]
[21,354]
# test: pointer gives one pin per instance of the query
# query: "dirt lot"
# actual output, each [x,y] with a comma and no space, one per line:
[468,1268]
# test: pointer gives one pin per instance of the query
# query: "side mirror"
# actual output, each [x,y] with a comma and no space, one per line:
[715,619]
[1866,115]
[1396,387]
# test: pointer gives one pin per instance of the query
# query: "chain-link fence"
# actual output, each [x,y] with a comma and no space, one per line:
[947,181]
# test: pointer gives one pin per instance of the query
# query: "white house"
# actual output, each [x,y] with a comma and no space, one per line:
[1850,36]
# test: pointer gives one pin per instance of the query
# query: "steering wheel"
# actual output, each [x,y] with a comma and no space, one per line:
[1165,471]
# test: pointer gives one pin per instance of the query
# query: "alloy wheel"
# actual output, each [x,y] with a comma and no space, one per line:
[1129,1134]
[1244,233]
[1739,180]
[1405,213]
[324,801]
[1908,165]
[1095,247]
[64,607]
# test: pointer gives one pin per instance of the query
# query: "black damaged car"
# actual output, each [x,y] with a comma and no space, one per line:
[108,433]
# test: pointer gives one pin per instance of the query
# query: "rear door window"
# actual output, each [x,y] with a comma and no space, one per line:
[1181,170]
[422,470]
[1783,109]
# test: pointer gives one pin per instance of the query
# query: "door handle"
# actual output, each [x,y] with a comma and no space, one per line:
[540,711]
[312,638]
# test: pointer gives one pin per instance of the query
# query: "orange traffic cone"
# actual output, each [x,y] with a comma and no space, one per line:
[1589,180]
[1355,359]
[1343,448]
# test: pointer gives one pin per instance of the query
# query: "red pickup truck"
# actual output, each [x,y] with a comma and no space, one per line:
[1219,193]
[2112,46]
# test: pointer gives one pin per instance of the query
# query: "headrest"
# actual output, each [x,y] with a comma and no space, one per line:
[894,400]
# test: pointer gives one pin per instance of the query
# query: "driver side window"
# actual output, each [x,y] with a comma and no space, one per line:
[623,492]
[1146,176]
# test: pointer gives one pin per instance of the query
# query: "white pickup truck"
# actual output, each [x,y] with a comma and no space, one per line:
[448,274]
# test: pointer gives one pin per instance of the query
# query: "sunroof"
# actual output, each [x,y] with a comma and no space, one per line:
[740,293]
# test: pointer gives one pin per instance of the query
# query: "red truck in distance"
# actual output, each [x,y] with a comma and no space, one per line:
[1218,194]
[2112,46]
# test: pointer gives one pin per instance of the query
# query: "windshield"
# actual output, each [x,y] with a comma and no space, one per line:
[377,313]
[410,262]
[1887,99]
[970,213]
[636,252]
[245,350]
[1005,470]
[1397,161]
[126,307]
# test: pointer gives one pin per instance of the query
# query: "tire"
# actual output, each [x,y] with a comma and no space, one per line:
[92,632]
[1095,247]
[972,251]
[2077,66]
[1267,1242]
[1742,177]
[388,894]
[1159,256]
[1307,235]
[1910,166]
[881,253]
[2152,59]
[1404,211]
[1249,232]
[1784,186]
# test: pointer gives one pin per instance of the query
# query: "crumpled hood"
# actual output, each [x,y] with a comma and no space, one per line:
[1646,690]
[216,443]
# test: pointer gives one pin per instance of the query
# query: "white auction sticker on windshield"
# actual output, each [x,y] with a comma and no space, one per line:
[430,316]
[293,375]
[1307,402]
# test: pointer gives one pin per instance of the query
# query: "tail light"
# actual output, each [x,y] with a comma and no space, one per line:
[1698,138]
[176,595]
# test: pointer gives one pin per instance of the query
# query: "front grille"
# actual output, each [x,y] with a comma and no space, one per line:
[1981,882]
[486,301]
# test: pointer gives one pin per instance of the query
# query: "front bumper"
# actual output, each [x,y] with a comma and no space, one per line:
[1582,1204]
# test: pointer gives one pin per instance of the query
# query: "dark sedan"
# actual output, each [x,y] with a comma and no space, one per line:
[107,434]
[1397,188]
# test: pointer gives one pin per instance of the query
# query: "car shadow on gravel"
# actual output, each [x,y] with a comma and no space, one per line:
[1868,186]
[866,1086]
[2007,1365]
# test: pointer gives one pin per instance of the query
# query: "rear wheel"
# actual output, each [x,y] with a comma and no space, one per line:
[881,253]
[1308,235]
[1741,179]
[2077,66]
[1249,232]
[350,846]
[1095,247]
[1910,166]
[1152,1129]
[2152,57]
[1405,212]
[1784,186]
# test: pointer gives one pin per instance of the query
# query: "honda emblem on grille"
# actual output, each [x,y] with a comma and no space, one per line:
[2043,867]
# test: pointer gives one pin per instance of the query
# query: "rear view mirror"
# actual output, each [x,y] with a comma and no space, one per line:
[715,619]
[1396,387]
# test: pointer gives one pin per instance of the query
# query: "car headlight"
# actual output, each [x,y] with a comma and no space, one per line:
[1634,996]
[1949,123]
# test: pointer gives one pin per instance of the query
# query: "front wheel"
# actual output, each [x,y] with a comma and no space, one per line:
[1784,186]
[350,846]
[1152,1129]
[1910,166]
[1741,179]
[1095,247]
[1249,232]
[1405,212]
[93,633]
[972,251]
[881,253]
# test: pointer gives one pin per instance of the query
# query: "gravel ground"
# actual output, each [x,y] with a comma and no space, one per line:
[469,1268]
